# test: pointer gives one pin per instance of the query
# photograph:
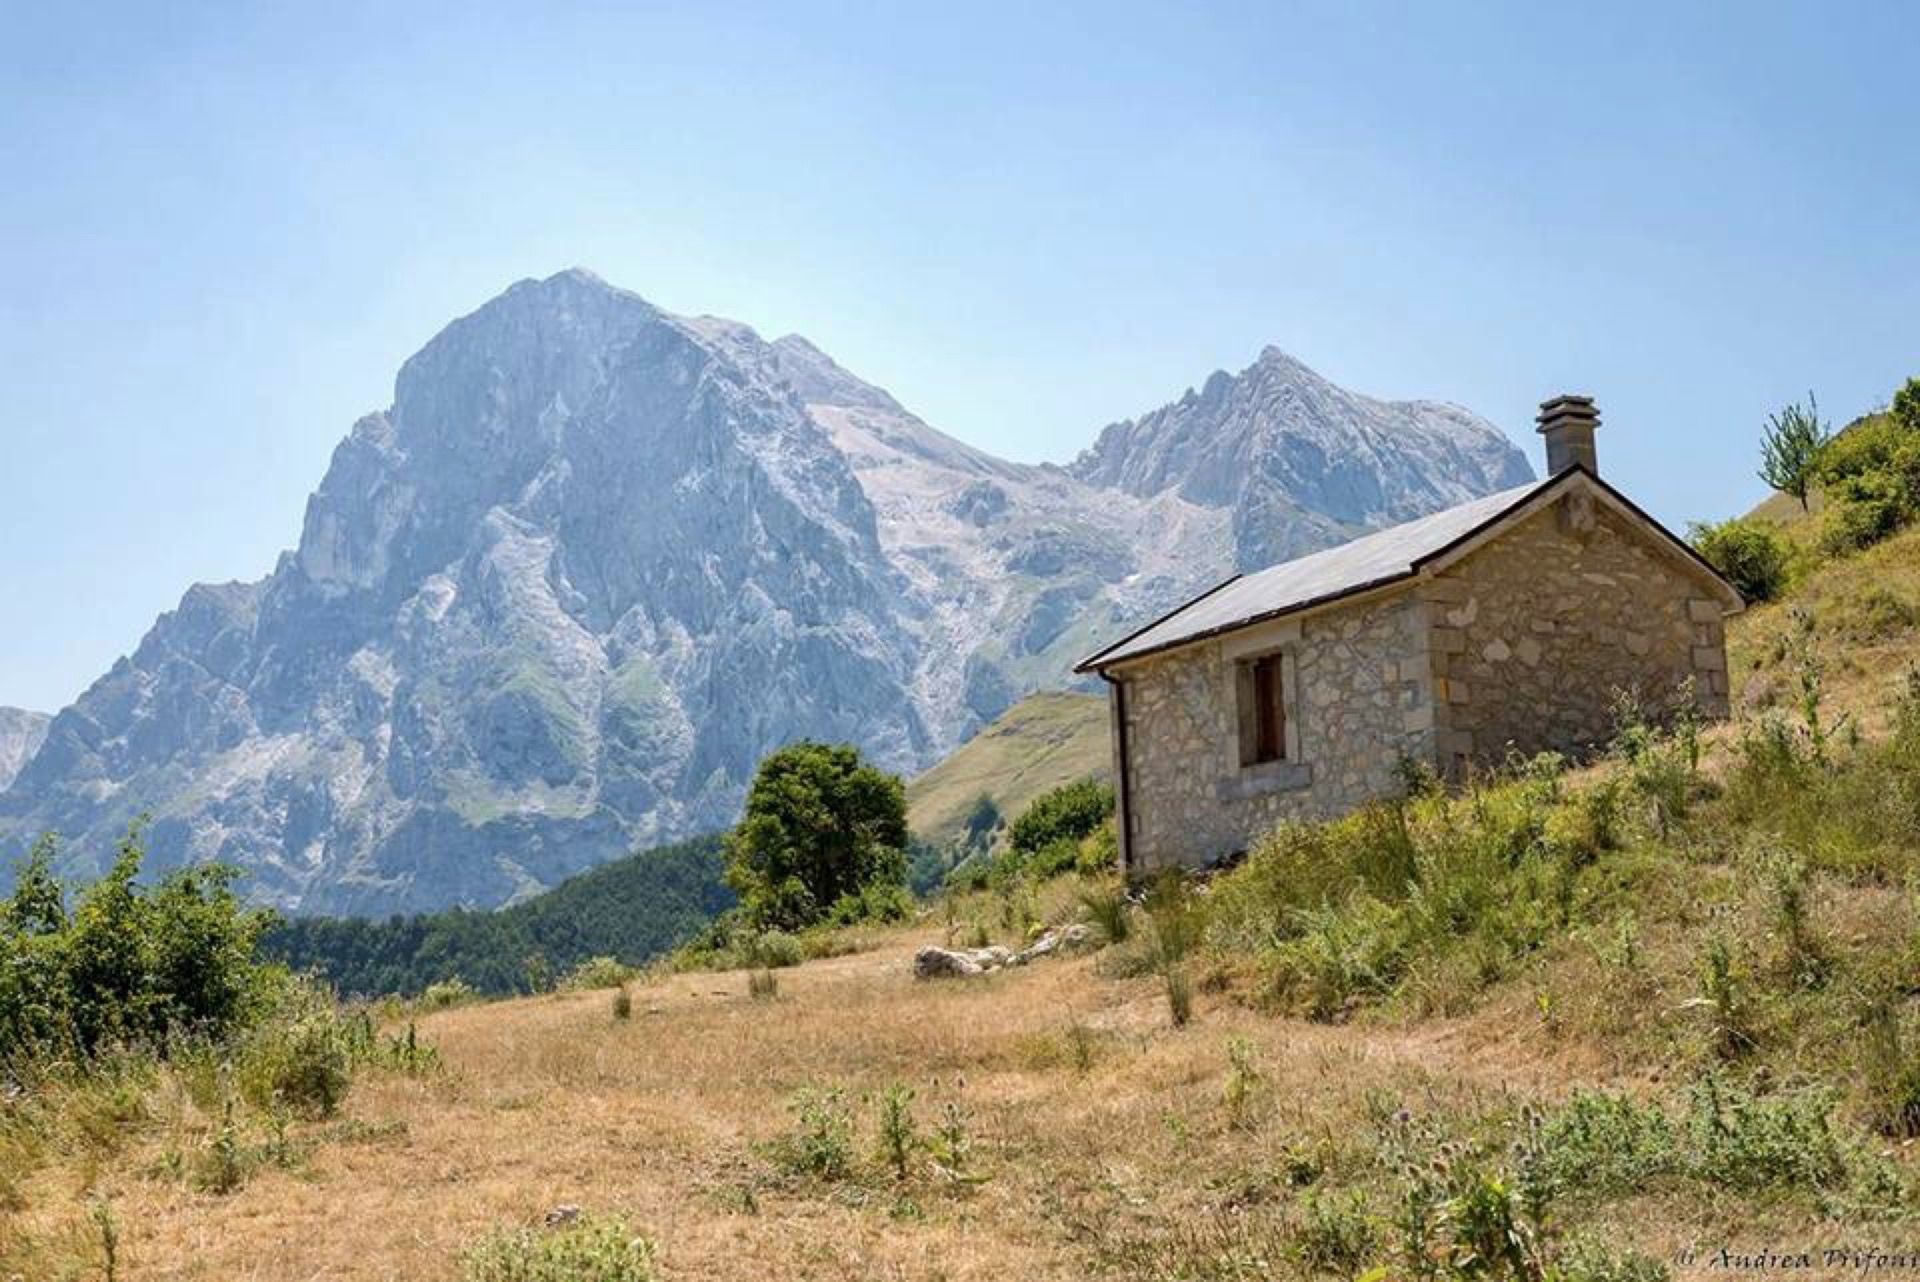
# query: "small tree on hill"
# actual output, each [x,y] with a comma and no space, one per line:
[1789,446]
[820,825]
[1906,405]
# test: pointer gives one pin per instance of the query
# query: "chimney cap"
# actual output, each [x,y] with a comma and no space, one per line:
[1567,405]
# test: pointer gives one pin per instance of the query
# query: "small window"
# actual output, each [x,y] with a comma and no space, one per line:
[1263,710]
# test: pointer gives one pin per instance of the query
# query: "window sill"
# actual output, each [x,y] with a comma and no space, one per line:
[1263,779]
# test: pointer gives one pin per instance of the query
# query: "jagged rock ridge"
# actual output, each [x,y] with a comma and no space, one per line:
[597,559]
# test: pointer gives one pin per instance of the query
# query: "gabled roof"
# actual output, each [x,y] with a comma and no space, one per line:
[1375,560]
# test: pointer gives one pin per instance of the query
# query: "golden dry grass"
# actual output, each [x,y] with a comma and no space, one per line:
[549,1101]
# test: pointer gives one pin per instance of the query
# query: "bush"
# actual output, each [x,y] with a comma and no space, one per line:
[877,901]
[589,1249]
[446,994]
[622,1004]
[150,966]
[1099,850]
[1864,511]
[1063,816]
[769,950]
[1749,554]
[1740,1140]
[301,1063]
[820,1145]
[598,972]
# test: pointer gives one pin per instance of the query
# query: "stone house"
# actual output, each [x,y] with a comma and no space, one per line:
[1507,624]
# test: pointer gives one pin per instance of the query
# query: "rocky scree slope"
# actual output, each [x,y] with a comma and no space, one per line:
[598,559]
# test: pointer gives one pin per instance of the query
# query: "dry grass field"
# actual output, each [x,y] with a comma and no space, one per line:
[1105,1141]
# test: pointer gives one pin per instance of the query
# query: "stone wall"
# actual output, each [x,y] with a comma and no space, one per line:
[1359,697]
[1534,632]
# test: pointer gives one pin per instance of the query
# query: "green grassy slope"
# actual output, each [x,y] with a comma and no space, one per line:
[1041,742]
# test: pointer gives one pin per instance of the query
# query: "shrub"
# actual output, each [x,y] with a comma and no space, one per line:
[820,1145]
[1864,511]
[1870,474]
[1099,850]
[763,985]
[598,972]
[877,901]
[1339,954]
[1066,814]
[221,1166]
[589,1249]
[1876,614]
[1179,988]
[769,949]
[1741,1140]
[1245,1082]
[1586,1259]
[1723,990]
[1748,553]
[302,1063]
[446,994]
[622,1004]
[1605,1145]
[1884,445]
[1336,1235]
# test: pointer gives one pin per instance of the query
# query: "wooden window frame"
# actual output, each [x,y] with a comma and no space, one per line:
[1261,684]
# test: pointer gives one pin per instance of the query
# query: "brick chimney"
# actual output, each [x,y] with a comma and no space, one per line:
[1568,423]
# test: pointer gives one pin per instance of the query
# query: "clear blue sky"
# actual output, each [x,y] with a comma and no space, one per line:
[222,230]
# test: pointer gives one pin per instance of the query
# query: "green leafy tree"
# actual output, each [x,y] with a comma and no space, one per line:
[1906,405]
[820,825]
[1790,445]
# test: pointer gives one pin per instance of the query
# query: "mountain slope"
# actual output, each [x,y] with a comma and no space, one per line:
[1041,742]
[597,559]
[21,733]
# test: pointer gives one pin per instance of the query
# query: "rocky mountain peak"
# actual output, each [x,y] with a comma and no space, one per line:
[1298,459]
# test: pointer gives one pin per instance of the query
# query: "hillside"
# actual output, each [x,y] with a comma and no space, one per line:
[1041,742]
[632,910]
